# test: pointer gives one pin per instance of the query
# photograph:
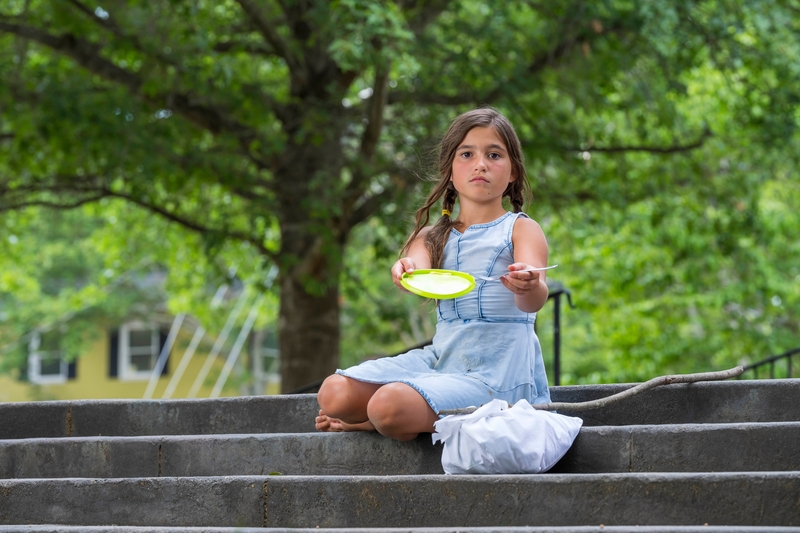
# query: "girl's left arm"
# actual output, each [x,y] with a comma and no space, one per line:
[530,250]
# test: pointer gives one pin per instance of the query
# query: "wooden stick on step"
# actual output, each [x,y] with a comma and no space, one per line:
[603,402]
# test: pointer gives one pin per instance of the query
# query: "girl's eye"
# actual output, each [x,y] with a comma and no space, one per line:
[494,155]
[466,154]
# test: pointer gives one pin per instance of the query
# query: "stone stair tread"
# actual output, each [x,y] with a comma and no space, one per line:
[705,402]
[770,446]
[246,414]
[490,529]
[685,447]
[748,498]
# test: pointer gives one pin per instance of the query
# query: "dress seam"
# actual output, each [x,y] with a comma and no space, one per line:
[458,267]
[530,320]
[486,224]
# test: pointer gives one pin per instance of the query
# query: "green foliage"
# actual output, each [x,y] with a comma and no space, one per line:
[704,277]
[354,23]
[78,272]
[660,138]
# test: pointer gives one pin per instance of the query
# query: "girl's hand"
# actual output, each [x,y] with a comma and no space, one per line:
[400,267]
[520,282]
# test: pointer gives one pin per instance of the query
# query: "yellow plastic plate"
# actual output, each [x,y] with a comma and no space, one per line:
[437,283]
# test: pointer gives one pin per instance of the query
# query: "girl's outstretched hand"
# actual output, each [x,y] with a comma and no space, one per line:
[400,267]
[520,282]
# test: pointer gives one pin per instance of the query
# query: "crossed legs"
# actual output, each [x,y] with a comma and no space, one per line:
[395,410]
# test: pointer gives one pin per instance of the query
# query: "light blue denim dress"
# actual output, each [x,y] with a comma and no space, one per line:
[484,347]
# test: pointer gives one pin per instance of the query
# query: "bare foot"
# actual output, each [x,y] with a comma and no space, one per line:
[327,423]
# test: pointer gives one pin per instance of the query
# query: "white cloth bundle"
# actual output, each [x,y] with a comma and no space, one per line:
[496,439]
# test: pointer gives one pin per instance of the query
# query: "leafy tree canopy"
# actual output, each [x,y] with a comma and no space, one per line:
[660,139]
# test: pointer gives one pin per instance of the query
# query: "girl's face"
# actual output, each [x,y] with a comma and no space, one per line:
[482,168]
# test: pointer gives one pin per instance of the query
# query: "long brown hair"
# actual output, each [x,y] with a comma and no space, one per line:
[518,191]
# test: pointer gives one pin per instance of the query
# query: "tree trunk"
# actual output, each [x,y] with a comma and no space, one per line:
[312,245]
[308,330]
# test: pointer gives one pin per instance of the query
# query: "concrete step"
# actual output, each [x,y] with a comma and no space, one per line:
[600,528]
[218,455]
[83,418]
[769,446]
[741,499]
[709,402]
[712,402]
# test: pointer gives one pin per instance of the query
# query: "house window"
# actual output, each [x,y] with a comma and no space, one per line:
[139,348]
[46,362]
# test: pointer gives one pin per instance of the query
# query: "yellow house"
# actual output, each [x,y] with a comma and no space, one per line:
[146,360]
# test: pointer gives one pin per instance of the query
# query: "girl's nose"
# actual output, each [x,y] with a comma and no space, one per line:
[480,163]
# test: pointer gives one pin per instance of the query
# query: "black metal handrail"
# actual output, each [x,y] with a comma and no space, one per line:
[556,290]
[771,362]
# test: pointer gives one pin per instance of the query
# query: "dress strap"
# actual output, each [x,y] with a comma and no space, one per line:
[513,220]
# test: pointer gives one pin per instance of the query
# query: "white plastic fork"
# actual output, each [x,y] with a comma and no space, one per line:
[496,278]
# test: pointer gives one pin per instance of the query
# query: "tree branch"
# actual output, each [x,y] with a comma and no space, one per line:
[545,59]
[110,25]
[369,139]
[652,149]
[371,205]
[192,225]
[199,228]
[361,168]
[87,55]
[42,186]
[98,192]
[251,48]
[377,103]
[50,205]
[173,217]
[633,391]
[420,16]
[270,35]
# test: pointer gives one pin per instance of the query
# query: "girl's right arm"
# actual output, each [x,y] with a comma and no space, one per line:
[416,258]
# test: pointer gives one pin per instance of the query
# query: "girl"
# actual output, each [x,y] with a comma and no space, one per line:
[485,346]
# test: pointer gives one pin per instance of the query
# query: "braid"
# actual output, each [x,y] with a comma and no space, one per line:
[450,197]
[437,237]
[518,194]
[423,216]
